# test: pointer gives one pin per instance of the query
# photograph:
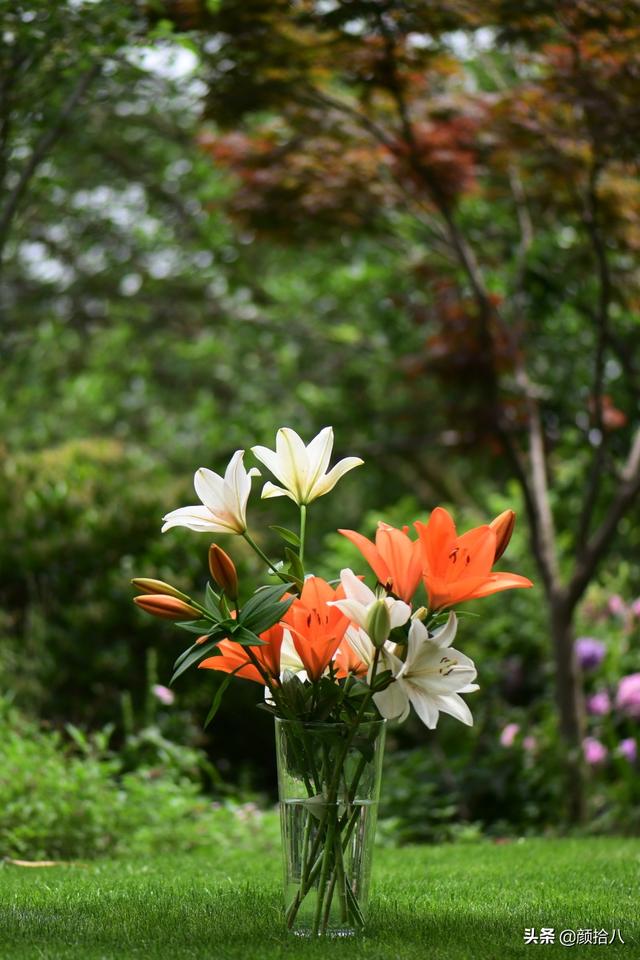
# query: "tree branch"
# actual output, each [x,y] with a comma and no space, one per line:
[534,485]
[592,225]
[596,548]
[40,151]
[315,98]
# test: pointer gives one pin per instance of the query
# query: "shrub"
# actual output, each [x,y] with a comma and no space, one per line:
[67,797]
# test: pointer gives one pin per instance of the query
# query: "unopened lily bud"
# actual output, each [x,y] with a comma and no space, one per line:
[503,526]
[223,570]
[144,585]
[168,608]
[378,623]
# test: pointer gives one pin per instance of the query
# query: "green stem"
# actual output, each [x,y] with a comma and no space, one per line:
[254,546]
[327,854]
[303,529]
[314,863]
[326,912]
[341,879]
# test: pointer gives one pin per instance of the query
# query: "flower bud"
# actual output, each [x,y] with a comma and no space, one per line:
[378,624]
[168,608]
[143,585]
[223,571]
[503,526]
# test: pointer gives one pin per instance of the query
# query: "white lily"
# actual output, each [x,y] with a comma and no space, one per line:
[224,500]
[432,677]
[290,658]
[392,702]
[302,469]
[359,599]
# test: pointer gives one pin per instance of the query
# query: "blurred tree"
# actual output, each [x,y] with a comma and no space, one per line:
[503,141]
[137,343]
[431,178]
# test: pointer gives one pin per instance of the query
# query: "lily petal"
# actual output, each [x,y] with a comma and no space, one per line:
[293,460]
[210,487]
[399,612]
[328,482]
[318,456]
[456,707]
[196,518]
[370,553]
[271,490]
[392,702]
[355,588]
[445,635]
[423,705]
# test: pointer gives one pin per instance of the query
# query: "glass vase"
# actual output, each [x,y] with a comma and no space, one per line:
[329,785]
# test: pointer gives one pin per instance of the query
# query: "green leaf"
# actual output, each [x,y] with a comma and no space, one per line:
[219,694]
[262,597]
[246,637]
[264,618]
[295,582]
[287,535]
[295,565]
[357,690]
[211,601]
[184,654]
[197,653]
[197,626]
[382,680]
[264,608]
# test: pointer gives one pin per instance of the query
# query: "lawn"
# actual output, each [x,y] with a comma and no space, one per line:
[470,900]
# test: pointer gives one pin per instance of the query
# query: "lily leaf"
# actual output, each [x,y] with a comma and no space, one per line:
[261,620]
[261,598]
[382,680]
[219,694]
[211,601]
[195,654]
[287,535]
[246,637]
[296,568]
[197,626]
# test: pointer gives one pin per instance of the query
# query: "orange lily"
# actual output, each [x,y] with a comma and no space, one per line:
[165,607]
[459,568]
[503,526]
[316,628]
[394,558]
[223,570]
[235,656]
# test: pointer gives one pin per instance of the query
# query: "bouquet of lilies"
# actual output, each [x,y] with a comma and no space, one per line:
[340,653]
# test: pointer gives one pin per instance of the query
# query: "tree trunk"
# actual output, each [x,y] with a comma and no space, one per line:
[570,707]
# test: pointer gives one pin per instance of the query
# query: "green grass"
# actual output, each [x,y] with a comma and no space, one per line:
[428,903]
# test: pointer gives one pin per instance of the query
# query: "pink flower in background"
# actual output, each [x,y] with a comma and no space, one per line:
[635,607]
[628,695]
[590,652]
[509,734]
[529,744]
[616,605]
[628,748]
[599,705]
[163,694]
[595,752]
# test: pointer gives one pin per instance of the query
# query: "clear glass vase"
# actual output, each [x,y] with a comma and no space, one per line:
[329,783]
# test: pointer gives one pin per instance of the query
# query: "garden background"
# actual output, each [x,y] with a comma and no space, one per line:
[418,224]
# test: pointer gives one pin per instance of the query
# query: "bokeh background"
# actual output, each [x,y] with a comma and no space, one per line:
[418,223]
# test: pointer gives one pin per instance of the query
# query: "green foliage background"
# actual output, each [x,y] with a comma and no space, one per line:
[145,333]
